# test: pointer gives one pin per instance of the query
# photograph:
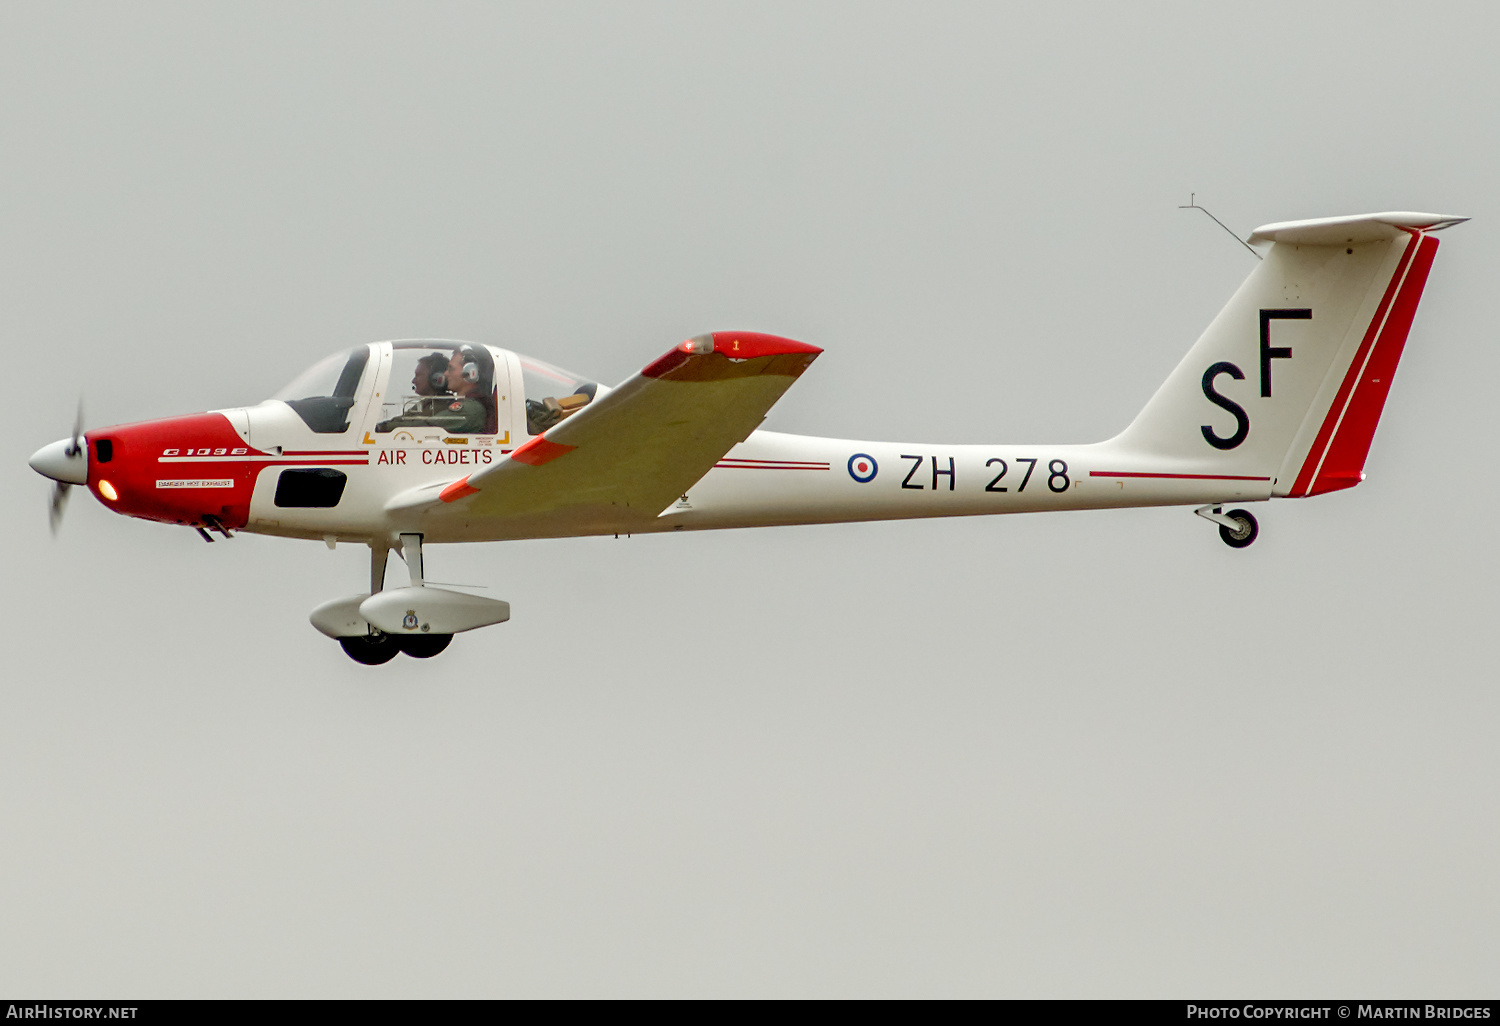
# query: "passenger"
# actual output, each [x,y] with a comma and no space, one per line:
[430,383]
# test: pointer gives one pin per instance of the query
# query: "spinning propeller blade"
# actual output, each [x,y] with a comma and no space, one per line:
[76,445]
[66,463]
[59,503]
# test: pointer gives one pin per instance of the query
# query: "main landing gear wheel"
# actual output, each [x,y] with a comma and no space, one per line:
[1244,534]
[371,649]
[423,646]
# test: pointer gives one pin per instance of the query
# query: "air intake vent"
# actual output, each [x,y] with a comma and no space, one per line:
[318,488]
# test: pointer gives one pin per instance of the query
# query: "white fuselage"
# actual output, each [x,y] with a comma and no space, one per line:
[769,479]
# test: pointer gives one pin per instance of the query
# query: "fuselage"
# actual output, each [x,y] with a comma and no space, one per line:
[295,468]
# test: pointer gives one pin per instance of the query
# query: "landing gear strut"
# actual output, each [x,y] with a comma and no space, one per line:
[377,646]
[418,619]
[1238,527]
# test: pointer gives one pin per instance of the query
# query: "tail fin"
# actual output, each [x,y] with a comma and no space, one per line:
[1289,380]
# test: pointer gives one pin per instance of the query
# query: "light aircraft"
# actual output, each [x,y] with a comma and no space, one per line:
[400,444]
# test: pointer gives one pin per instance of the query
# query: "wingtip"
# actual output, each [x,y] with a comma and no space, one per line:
[737,347]
[746,345]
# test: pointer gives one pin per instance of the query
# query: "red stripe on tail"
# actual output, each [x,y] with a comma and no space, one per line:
[1337,457]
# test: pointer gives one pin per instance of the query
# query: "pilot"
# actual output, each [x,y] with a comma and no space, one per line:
[470,378]
[430,382]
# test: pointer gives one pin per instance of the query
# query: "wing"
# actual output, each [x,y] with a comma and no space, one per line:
[628,455]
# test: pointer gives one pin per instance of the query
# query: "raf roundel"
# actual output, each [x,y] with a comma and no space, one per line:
[863,468]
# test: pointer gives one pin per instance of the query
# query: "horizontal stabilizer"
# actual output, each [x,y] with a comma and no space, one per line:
[1352,228]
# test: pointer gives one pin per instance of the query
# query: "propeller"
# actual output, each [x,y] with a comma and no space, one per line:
[66,463]
[60,491]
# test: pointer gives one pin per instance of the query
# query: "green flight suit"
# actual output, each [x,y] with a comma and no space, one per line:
[455,415]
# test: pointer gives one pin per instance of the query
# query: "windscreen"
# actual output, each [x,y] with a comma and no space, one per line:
[323,394]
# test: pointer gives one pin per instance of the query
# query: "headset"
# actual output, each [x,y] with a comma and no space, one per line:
[438,379]
[471,370]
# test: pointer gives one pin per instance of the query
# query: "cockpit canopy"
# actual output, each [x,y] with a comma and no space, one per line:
[457,387]
[323,394]
[553,393]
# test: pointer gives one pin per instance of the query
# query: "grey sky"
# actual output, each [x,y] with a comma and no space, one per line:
[1090,754]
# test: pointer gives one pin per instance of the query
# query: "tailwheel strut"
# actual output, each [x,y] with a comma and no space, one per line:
[1238,527]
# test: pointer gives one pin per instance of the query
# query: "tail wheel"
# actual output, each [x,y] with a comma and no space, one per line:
[370,649]
[1238,538]
[422,646]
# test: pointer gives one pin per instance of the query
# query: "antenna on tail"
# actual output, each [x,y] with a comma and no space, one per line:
[1192,204]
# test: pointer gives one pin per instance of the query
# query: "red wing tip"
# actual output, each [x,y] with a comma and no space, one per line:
[457,490]
[733,345]
[746,345]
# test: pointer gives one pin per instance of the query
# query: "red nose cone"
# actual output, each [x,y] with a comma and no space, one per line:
[181,470]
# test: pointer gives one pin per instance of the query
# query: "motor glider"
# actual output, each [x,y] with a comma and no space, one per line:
[400,444]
